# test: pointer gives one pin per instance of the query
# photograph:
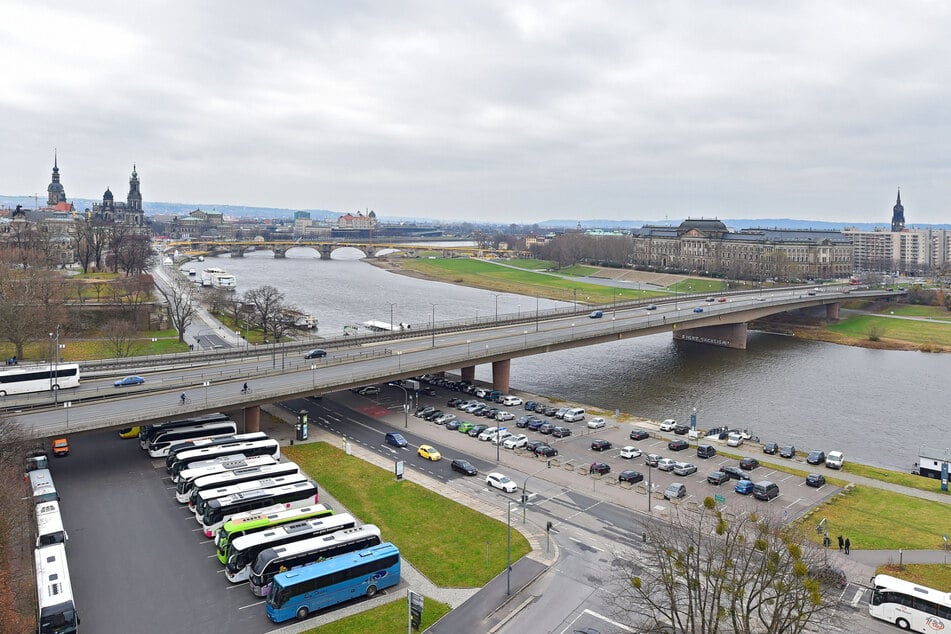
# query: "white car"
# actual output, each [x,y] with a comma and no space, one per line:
[734,440]
[504,416]
[666,464]
[630,452]
[668,425]
[511,400]
[500,481]
[513,442]
[596,423]
[500,436]
[488,433]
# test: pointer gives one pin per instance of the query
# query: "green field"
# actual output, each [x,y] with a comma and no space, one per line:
[916,332]
[937,576]
[445,540]
[697,285]
[895,477]
[97,347]
[389,618]
[533,265]
[911,310]
[578,270]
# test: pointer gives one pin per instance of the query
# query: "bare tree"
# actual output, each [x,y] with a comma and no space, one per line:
[266,304]
[705,573]
[180,303]
[132,293]
[120,335]
[32,299]
[134,253]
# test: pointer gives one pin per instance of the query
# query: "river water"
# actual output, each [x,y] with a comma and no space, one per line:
[877,406]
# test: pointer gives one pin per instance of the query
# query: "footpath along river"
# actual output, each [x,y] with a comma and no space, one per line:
[877,406]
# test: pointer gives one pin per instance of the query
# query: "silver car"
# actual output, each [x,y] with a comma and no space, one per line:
[666,464]
[685,468]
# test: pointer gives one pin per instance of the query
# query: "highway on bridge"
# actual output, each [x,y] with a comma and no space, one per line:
[212,382]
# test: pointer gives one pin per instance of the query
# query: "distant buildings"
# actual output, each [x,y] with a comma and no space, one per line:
[127,213]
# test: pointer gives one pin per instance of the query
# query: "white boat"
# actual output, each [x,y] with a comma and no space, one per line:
[306,321]
[218,278]
[192,272]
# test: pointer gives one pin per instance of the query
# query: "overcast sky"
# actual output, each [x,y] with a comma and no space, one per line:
[503,111]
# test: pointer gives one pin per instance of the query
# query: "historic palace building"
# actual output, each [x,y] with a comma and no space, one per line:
[127,213]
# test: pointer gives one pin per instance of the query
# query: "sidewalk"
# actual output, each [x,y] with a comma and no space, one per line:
[203,321]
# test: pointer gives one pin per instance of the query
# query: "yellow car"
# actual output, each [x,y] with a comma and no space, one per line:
[129,432]
[429,452]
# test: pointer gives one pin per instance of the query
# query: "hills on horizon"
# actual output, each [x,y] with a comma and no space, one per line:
[242,211]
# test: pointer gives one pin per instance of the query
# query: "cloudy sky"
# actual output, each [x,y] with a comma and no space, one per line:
[503,111]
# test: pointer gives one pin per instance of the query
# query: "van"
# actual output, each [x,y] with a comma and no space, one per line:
[668,425]
[835,460]
[574,414]
[765,490]
[675,491]
[706,451]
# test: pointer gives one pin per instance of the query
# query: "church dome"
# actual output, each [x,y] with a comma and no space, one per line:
[703,225]
[107,195]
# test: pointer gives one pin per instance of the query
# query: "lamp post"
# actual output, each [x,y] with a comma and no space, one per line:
[405,404]
[496,307]
[536,312]
[392,304]
[313,375]
[399,362]
[468,344]
[572,330]
[519,310]
[525,333]
[434,325]
[508,567]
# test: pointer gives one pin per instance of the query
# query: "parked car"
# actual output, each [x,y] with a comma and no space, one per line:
[465,426]
[706,451]
[630,452]
[770,448]
[504,416]
[453,425]
[561,432]
[464,466]
[444,419]
[529,406]
[816,457]
[453,402]
[815,480]
[600,468]
[428,452]
[653,459]
[532,445]
[835,460]
[678,444]
[522,421]
[735,439]
[744,487]
[735,473]
[546,428]
[675,491]
[596,423]
[475,430]
[433,415]
[681,430]
[513,442]
[560,412]
[765,490]
[717,478]
[787,451]
[550,410]
[316,353]
[499,481]
[397,440]
[651,307]
[666,464]
[600,444]
[421,413]
[129,380]
[499,437]
[639,434]
[535,424]
[546,451]
[668,425]
[487,433]
[60,447]
[684,468]
[630,476]
[510,401]
[748,464]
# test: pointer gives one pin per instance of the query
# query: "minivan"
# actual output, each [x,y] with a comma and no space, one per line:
[574,414]
[675,491]
[668,425]
[706,451]
[835,459]
[765,490]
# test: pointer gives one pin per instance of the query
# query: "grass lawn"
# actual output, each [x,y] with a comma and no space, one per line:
[96,347]
[916,332]
[533,265]
[445,540]
[895,477]
[506,279]
[937,576]
[578,271]
[882,520]
[911,310]
[385,619]
[697,285]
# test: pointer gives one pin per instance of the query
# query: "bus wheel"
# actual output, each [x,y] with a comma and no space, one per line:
[371,591]
[903,624]
[302,613]
[3,393]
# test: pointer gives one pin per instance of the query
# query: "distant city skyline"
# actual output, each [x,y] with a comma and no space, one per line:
[491,111]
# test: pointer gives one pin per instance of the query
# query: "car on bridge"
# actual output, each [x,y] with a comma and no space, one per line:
[596,314]
[698,309]
[464,466]
[651,307]
[129,380]
[316,353]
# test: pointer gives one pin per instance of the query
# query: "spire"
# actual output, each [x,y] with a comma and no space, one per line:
[55,160]
[899,196]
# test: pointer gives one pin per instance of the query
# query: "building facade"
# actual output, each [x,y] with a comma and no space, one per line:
[128,212]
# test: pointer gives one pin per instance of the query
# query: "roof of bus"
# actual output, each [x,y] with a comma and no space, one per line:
[335,563]
[306,525]
[885,582]
[265,517]
[318,541]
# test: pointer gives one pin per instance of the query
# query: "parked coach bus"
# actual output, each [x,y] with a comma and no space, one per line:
[24,380]
[236,476]
[909,605]
[147,432]
[308,551]
[244,550]
[263,519]
[49,525]
[220,510]
[311,588]
[202,443]
[260,447]
[41,483]
[54,594]
[206,468]
[160,444]
[202,499]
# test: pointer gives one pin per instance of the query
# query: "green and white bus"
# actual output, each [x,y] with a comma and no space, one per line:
[219,510]
[253,521]
[244,550]
[201,500]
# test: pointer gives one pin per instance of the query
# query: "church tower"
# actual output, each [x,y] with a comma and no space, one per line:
[134,215]
[55,192]
[898,215]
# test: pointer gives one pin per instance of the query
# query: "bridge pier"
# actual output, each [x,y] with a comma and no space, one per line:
[500,375]
[468,373]
[832,312]
[252,419]
[279,253]
[237,252]
[726,336]
[325,251]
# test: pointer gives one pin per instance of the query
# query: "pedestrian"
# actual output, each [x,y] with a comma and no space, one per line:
[848,545]
[840,543]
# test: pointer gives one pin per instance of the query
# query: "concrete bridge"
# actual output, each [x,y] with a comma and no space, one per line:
[326,248]
[212,380]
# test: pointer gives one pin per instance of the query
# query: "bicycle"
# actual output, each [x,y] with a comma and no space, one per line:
[184,400]
[246,389]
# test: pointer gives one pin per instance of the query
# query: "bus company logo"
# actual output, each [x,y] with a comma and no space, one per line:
[935,624]
[379,575]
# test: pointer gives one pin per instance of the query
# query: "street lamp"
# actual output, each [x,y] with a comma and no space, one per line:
[405,404]
[313,375]
[468,342]
[399,362]
[572,331]
[434,325]
[525,332]
[508,568]
[392,304]
[536,312]
[496,307]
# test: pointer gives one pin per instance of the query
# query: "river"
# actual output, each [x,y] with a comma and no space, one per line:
[877,406]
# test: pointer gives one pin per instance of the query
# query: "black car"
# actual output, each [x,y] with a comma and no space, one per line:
[522,421]
[477,429]
[600,468]
[530,406]
[734,473]
[316,353]
[681,430]
[546,451]
[787,451]
[453,402]
[560,432]
[630,476]
[535,424]
[718,478]
[600,445]
[433,414]
[816,457]
[749,464]
[815,480]
[770,448]
[639,434]
[532,445]
[423,413]
[464,466]
[428,391]
[453,424]
[678,444]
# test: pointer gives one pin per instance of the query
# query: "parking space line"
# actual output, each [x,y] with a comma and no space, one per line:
[253,605]
[798,500]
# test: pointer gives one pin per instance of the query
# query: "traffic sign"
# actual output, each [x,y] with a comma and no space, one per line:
[719,498]
[415,608]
